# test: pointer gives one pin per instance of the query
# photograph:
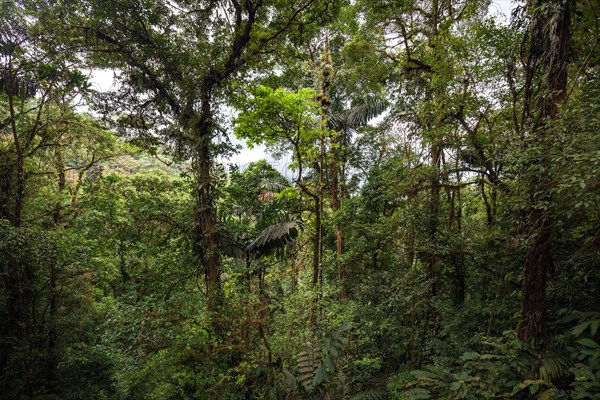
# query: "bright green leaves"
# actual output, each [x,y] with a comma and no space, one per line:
[270,116]
[284,121]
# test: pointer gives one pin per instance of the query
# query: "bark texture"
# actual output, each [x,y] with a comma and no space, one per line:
[548,44]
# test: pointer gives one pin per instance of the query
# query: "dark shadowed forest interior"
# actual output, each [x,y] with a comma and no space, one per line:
[432,231]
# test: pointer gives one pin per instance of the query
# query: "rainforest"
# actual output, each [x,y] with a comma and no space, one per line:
[422,221]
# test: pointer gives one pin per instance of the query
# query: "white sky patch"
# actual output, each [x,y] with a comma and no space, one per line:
[257,153]
[501,9]
[102,80]
[247,155]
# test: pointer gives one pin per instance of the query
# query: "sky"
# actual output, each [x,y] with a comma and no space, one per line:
[102,80]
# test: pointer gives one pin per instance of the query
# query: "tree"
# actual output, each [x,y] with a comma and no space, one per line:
[341,121]
[547,50]
[34,76]
[176,89]
[280,118]
[38,82]
[154,272]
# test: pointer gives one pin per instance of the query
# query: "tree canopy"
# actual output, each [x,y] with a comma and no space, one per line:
[434,237]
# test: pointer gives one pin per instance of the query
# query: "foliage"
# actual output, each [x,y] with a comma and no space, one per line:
[318,374]
[437,238]
[279,117]
[510,368]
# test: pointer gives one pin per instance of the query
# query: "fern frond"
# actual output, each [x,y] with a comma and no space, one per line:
[308,364]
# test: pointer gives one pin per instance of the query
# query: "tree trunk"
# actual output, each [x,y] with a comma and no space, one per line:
[17,325]
[337,181]
[206,241]
[434,210]
[19,166]
[537,263]
[51,365]
[550,28]
[458,257]
[62,183]
[317,244]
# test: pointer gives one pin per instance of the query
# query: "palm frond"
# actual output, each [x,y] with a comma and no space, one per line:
[358,115]
[555,365]
[273,186]
[274,237]
[363,113]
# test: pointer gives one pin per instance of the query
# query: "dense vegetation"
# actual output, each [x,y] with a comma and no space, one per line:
[436,237]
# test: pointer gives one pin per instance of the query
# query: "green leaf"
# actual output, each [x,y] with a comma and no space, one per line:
[469,356]
[578,329]
[370,395]
[289,378]
[547,395]
[418,394]
[329,362]
[588,343]
[594,326]
[319,376]
[584,374]
[334,351]
[423,374]
[534,388]
[345,327]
